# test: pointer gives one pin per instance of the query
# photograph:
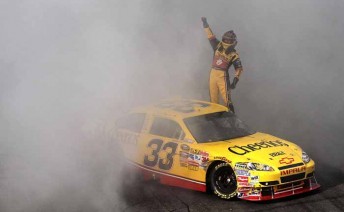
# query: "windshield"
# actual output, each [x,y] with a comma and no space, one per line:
[217,127]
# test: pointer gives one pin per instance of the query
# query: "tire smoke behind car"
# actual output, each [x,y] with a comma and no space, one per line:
[68,69]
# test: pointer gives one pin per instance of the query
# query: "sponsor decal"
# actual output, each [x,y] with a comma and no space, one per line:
[241,166]
[242,179]
[240,195]
[183,159]
[193,163]
[185,147]
[255,178]
[198,156]
[219,62]
[222,158]
[199,152]
[275,154]
[204,160]
[244,189]
[246,192]
[242,150]
[183,154]
[240,172]
[193,167]
[194,157]
[254,193]
[182,164]
[293,170]
[243,184]
[286,160]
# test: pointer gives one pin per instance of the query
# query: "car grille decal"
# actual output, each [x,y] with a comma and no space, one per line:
[293,177]
[290,166]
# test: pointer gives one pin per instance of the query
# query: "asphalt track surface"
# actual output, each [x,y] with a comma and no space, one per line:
[152,196]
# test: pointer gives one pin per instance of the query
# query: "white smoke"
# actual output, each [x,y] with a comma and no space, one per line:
[68,68]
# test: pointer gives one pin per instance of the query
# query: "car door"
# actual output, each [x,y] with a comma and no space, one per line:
[129,129]
[161,145]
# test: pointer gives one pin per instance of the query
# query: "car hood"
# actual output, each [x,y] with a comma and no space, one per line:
[259,147]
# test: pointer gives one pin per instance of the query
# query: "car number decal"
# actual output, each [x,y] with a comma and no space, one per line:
[165,155]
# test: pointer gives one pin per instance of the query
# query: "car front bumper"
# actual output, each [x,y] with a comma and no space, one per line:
[278,191]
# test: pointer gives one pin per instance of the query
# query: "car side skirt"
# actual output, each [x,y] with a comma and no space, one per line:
[170,179]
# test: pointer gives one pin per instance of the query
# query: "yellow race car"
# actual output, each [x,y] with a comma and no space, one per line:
[202,146]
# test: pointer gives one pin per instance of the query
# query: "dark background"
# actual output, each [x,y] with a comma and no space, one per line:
[69,68]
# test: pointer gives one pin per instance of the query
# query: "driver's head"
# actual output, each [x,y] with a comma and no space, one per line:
[230,38]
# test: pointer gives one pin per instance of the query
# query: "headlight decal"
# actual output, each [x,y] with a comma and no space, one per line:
[253,166]
[305,157]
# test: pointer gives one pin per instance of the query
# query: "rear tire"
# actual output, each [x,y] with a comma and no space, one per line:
[223,181]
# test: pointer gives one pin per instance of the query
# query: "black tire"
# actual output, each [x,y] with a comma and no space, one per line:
[222,181]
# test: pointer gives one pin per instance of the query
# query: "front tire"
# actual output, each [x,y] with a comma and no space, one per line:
[223,181]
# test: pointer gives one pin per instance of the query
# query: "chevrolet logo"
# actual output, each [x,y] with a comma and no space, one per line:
[286,160]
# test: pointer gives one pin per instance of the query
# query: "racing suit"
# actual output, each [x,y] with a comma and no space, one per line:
[224,56]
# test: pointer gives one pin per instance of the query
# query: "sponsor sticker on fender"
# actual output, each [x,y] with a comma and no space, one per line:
[193,167]
[244,184]
[222,158]
[185,147]
[199,156]
[240,172]
[183,154]
[240,195]
[255,178]
[244,189]
[255,192]
[242,179]
[240,166]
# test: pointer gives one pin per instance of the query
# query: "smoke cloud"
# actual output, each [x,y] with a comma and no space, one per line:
[69,68]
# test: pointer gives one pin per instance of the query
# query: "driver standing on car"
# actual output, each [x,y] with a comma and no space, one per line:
[224,56]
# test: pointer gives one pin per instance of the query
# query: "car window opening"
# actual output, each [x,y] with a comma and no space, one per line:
[218,126]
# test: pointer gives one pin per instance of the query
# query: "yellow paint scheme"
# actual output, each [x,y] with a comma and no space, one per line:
[256,148]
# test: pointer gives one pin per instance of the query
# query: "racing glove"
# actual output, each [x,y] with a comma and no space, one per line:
[235,81]
[205,23]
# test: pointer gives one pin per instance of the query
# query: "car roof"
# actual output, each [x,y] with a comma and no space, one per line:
[181,108]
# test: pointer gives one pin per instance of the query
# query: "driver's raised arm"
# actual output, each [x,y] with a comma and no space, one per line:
[211,37]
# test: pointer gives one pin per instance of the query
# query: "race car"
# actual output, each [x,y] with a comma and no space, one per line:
[205,147]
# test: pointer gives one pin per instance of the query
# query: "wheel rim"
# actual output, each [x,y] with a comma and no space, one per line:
[225,180]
